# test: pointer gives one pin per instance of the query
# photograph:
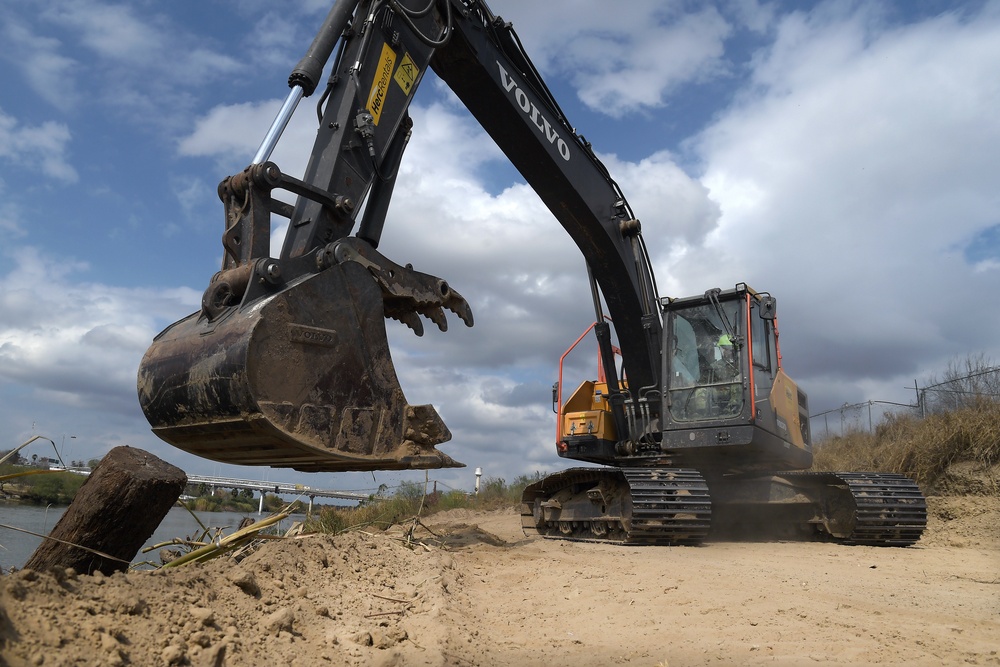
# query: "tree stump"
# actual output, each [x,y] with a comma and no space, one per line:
[114,512]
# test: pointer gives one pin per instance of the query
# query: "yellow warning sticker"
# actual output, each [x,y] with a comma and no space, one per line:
[380,86]
[406,75]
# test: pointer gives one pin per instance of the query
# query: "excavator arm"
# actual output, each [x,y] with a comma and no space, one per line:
[486,66]
[287,362]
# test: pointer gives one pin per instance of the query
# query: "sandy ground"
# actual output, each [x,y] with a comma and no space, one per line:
[482,594]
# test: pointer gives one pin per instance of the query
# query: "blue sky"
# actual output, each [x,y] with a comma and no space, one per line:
[842,155]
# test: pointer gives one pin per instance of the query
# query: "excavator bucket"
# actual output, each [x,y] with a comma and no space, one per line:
[300,378]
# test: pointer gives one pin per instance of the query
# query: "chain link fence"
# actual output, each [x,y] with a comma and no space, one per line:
[960,391]
[964,385]
[855,417]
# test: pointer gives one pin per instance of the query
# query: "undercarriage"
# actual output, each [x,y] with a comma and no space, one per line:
[674,506]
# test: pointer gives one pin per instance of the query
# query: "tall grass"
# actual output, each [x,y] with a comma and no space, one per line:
[919,448]
[409,501]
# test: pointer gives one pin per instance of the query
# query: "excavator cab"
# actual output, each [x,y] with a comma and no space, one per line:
[726,403]
[725,395]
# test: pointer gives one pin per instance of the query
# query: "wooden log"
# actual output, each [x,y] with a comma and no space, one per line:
[114,512]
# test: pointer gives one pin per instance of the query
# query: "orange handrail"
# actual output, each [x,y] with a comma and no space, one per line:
[601,377]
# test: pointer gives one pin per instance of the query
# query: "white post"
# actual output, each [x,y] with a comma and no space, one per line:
[260,510]
[479,473]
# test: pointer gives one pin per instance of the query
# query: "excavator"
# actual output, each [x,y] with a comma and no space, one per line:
[695,431]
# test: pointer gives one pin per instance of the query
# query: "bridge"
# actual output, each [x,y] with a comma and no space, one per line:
[285,488]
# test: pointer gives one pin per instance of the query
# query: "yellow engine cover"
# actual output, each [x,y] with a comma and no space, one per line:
[587,412]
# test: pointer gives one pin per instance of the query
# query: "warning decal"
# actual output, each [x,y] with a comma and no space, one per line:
[380,86]
[406,75]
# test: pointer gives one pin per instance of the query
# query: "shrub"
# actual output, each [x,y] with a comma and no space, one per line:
[54,488]
[919,448]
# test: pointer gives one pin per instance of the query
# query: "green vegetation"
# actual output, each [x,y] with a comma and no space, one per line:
[923,449]
[222,501]
[237,500]
[410,500]
[44,488]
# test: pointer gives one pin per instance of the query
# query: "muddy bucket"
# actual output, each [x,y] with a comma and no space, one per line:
[299,379]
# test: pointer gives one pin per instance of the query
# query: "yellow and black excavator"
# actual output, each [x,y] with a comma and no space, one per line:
[698,432]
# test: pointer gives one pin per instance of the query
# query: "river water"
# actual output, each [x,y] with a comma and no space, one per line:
[16,547]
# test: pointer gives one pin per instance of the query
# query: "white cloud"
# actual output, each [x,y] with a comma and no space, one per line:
[137,61]
[80,339]
[46,71]
[112,31]
[638,68]
[275,38]
[10,215]
[43,147]
[227,131]
[139,44]
[987,265]
[753,14]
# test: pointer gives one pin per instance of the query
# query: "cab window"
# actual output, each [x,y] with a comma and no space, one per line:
[706,377]
[760,342]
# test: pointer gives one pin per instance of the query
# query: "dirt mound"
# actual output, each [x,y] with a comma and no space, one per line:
[359,598]
[969,478]
[962,521]
[446,532]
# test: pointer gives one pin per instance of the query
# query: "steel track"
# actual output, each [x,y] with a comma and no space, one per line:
[667,506]
[891,511]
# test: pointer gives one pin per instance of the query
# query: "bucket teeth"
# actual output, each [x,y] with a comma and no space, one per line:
[405,292]
[436,315]
[460,307]
[409,318]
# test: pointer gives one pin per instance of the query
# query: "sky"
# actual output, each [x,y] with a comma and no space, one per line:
[843,156]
